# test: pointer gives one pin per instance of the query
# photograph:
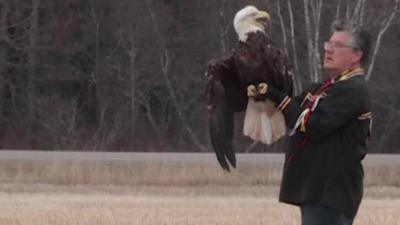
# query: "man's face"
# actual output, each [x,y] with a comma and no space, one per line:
[340,55]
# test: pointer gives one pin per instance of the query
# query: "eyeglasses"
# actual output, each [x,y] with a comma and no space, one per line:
[336,45]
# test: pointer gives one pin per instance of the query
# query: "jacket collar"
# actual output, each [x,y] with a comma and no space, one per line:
[350,73]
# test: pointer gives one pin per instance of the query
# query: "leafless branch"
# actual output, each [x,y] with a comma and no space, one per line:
[384,27]
[296,77]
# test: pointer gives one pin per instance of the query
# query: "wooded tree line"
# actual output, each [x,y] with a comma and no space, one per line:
[127,75]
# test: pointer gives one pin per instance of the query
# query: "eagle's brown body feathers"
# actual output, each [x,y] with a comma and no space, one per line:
[258,60]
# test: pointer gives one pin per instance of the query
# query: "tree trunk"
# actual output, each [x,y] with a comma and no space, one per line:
[3,58]
[223,30]
[33,64]
[296,76]
[385,25]
[132,71]
[309,41]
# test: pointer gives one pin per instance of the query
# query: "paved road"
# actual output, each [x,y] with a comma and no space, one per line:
[254,158]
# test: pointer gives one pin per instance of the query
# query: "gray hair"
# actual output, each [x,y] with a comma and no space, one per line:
[361,39]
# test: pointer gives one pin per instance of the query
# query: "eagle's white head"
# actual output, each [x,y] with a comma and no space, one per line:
[250,19]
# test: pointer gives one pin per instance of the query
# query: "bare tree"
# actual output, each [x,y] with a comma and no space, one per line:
[165,60]
[296,77]
[130,72]
[132,52]
[283,27]
[3,58]
[128,39]
[293,56]
[385,24]
[33,64]
[224,27]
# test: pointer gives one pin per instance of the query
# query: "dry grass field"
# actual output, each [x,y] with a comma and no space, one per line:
[76,189]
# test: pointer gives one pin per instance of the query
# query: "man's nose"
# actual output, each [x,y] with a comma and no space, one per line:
[328,49]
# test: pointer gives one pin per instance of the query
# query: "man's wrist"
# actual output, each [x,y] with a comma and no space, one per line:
[275,95]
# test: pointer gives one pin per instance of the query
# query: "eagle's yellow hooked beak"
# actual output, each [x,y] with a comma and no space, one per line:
[262,15]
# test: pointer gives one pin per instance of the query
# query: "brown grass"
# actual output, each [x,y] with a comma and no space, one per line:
[119,193]
[236,205]
[106,209]
[113,173]
[161,173]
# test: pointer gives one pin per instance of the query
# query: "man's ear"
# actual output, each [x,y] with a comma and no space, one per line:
[357,56]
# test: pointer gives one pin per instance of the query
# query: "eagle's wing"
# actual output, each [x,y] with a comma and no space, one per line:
[225,95]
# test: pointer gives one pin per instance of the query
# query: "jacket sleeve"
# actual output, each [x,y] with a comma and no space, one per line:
[292,109]
[343,102]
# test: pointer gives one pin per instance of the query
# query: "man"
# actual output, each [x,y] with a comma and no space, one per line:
[330,124]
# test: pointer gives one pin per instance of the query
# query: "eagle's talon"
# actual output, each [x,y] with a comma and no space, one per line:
[262,88]
[251,91]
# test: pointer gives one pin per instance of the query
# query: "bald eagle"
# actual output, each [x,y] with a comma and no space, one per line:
[238,83]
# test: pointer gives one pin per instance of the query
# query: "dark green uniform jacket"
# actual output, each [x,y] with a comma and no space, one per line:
[324,154]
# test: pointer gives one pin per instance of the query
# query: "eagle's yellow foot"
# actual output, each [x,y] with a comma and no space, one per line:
[262,88]
[251,91]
